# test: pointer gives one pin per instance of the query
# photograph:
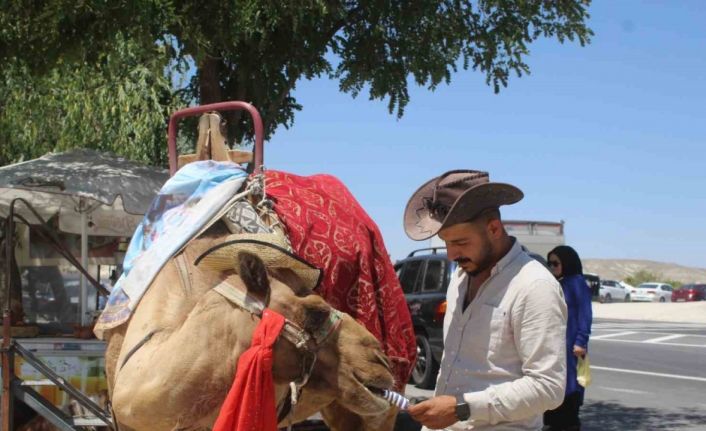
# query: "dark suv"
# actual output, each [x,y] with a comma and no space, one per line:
[424,279]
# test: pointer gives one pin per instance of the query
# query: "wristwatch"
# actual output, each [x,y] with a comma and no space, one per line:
[463,410]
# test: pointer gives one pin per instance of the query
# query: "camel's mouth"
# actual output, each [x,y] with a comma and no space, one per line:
[377,391]
[369,398]
[375,386]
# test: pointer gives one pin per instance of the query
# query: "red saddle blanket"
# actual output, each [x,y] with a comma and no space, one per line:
[328,228]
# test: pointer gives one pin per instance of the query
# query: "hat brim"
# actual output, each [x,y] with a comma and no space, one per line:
[224,256]
[420,225]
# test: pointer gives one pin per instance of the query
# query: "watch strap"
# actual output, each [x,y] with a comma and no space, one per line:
[463,410]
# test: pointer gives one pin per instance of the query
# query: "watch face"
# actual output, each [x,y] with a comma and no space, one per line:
[463,411]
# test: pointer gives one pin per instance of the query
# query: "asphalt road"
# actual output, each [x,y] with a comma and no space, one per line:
[646,376]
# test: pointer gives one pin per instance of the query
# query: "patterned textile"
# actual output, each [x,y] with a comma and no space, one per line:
[186,202]
[250,403]
[243,218]
[328,228]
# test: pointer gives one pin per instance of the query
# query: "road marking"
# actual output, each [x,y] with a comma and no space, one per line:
[649,373]
[649,325]
[600,332]
[656,329]
[615,334]
[642,342]
[627,391]
[665,338]
[694,331]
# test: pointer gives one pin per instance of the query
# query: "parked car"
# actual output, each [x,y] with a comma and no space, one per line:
[594,283]
[424,275]
[690,292]
[652,292]
[424,279]
[611,290]
[629,287]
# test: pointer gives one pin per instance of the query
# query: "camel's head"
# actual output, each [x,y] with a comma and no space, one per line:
[349,366]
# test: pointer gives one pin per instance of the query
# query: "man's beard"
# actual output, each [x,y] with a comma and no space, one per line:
[484,262]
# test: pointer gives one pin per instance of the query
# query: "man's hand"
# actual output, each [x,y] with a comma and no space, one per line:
[435,413]
[579,351]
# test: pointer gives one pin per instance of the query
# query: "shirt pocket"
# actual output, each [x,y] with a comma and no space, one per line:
[498,326]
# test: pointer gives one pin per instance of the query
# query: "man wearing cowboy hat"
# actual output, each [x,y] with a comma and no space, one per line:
[505,323]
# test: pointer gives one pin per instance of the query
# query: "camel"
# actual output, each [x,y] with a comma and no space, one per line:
[171,365]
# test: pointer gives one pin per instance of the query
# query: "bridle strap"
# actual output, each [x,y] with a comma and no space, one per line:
[291,331]
[301,339]
[284,409]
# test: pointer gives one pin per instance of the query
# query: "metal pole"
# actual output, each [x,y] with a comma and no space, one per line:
[98,279]
[8,372]
[84,263]
[7,358]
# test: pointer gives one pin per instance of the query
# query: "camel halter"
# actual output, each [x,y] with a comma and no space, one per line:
[305,342]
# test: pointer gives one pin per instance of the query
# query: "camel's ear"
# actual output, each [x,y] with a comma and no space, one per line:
[316,317]
[253,273]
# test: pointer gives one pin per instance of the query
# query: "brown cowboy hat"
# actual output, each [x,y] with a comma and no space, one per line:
[270,247]
[454,197]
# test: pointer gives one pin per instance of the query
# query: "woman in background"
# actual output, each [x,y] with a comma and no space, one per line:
[565,265]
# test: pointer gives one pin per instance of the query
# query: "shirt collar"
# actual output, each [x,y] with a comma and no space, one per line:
[515,251]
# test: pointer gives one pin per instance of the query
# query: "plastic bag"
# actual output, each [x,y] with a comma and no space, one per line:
[583,372]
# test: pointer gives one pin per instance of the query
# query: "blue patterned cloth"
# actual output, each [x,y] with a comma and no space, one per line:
[186,202]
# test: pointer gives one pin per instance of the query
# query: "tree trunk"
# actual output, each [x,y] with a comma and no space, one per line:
[211,91]
[209,82]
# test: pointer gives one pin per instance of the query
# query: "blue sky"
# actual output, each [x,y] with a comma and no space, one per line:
[610,138]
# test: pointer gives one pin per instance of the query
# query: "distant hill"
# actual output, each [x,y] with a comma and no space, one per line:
[619,269]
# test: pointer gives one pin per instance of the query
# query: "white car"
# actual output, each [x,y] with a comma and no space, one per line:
[652,292]
[612,290]
[627,286]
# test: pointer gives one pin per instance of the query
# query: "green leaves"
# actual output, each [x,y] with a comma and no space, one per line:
[117,104]
[104,73]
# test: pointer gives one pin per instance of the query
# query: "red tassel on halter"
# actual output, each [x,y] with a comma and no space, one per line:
[250,404]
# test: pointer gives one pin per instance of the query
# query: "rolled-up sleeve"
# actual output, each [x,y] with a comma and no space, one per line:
[539,329]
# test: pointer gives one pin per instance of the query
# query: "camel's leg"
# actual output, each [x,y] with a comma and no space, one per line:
[338,418]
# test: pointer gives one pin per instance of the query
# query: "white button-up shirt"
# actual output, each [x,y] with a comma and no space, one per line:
[506,352]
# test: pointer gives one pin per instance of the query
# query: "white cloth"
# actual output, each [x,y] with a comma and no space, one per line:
[506,351]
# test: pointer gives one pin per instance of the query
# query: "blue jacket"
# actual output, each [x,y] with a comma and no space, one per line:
[578,326]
